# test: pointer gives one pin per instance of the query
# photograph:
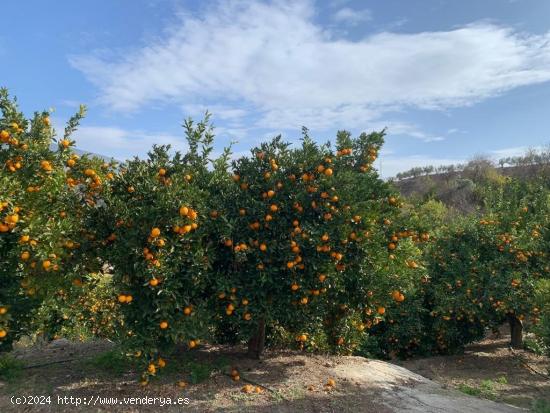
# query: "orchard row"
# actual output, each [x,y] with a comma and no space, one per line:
[303,245]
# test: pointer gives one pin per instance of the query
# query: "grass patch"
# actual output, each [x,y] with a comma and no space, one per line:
[541,406]
[472,391]
[116,364]
[199,372]
[222,363]
[485,389]
[112,362]
[277,396]
[10,368]
[195,371]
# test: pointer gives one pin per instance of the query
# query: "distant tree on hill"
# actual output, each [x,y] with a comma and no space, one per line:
[479,169]
[428,170]
[417,171]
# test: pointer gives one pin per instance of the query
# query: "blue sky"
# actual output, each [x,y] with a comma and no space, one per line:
[450,79]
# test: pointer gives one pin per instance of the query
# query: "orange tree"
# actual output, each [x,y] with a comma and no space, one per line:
[308,244]
[484,270]
[154,232]
[456,297]
[45,191]
[407,331]
[522,211]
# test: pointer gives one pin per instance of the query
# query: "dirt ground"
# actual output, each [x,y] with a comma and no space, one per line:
[490,369]
[287,381]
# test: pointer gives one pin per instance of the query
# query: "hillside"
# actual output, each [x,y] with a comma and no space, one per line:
[456,185]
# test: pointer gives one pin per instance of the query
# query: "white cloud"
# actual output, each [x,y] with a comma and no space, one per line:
[232,134]
[119,143]
[351,16]
[219,111]
[275,62]
[410,130]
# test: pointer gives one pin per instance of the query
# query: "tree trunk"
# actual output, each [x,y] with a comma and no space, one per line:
[257,341]
[516,331]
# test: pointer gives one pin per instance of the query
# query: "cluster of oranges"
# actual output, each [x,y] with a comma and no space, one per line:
[235,375]
[231,306]
[8,137]
[93,179]
[151,259]
[249,388]
[192,215]
[46,166]
[398,296]
[125,299]
[10,221]
[15,164]
[152,368]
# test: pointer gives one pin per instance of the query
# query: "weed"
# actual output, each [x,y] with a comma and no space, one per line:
[502,380]
[535,345]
